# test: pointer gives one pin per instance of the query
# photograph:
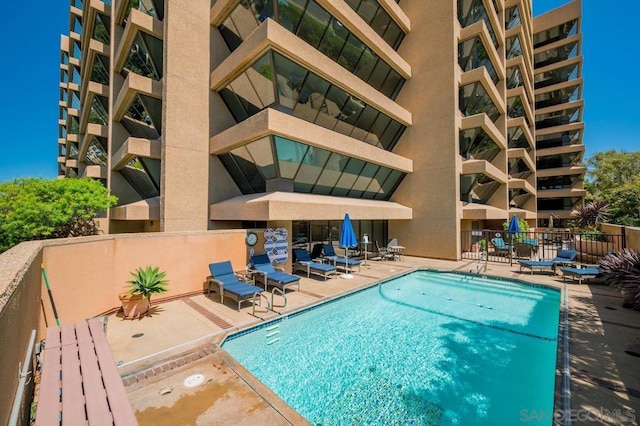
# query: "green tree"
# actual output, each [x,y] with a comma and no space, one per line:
[613,177]
[34,209]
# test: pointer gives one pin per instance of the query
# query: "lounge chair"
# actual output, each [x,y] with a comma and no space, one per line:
[232,284]
[303,261]
[563,258]
[500,247]
[383,253]
[581,272]
[264,272]
[339,261]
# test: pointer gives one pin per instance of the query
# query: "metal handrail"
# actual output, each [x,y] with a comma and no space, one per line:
[282,293]
[258,295]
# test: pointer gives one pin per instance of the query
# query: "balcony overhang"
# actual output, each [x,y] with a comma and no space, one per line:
[562,85]
[522,153]
[479,28]
[273,122]
[470,167]
[558,150]
[138,21]
[136,147]
[295,206]
[481,75]
[520,122]
[558,16]
[92,130]
[522,184]
[561,171]
[484,122]
[473,211]
[148,209]
[562,193]
[526,103]
[95,171]
[93,89]
[71,163]
[133,85]
[573,61]
[271,36]
[559,129]
[92,8]
[567,105]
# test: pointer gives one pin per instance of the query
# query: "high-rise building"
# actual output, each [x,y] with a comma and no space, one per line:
[422,119]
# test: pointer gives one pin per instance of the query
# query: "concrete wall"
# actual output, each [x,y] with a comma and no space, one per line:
[632,235]
[20,310]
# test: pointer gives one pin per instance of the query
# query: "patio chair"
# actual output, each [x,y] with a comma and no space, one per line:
[563,258]
[225,281]
[339,261]
[500,247]
[383,253]
[267,274]
[303,261]
[581,272]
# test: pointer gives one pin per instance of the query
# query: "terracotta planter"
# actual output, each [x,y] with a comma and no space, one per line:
[629,296]
[134,305]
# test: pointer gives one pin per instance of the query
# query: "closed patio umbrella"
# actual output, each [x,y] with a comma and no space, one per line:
[514,228]
[347,239]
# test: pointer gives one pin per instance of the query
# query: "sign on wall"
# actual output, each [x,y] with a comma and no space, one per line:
[276,245]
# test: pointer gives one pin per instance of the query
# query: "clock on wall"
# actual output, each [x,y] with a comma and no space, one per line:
[251,239]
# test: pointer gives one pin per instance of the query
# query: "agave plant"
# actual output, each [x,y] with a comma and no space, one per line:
[148,281]
[591,214]
[621,269]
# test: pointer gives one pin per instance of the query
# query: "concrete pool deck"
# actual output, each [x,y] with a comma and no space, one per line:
[179,339]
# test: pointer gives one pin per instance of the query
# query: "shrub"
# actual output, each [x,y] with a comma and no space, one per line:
[621,269]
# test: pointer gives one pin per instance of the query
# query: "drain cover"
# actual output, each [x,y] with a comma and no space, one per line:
[611,308]
[135,336]
[194,380]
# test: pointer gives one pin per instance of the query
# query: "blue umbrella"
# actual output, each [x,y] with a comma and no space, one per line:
[514,228]
[347,239]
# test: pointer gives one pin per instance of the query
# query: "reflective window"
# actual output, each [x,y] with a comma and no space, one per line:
[311,169]
[73,151]
[143,117]
[97,151]
[477,188]
[472,11]
[75,100]
[558,139]
[512,47]
[139,175]
[75,76]
[557,182]
[512,17]
[101,29]
[145,56]
[554,34]
[557,97]
[379,20]
[74,125]
[551,56]
[309,21]
[275,81]
[77,25]
[518,168]
[100,73]
[65,58]
[518,197]
[557,118]
[154,8]
[557,203]
[559,160]
[472,54]
[514,77]
[309,233]
[474,99]
[76,51]
[99,108]
[559,75]
[77,4]
[515,109]
[476,144]
[517,139]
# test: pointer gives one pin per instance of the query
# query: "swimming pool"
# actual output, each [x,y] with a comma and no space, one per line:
[424,348]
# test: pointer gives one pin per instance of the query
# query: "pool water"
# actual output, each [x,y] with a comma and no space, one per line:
[425,348]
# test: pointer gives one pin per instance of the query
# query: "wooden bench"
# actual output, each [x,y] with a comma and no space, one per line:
[80,383]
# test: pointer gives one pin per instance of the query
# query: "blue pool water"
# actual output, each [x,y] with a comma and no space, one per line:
[425,348]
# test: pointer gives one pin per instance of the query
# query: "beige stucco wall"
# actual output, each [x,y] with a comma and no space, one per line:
[632,234]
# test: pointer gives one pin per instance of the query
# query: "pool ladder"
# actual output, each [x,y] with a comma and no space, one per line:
[273,334]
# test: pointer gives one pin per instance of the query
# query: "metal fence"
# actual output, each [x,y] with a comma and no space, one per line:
[502,247]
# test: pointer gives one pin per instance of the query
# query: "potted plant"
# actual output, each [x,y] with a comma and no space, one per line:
[146,281]
[621,270]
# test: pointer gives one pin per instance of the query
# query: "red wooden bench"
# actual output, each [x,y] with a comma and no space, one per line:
[80,383]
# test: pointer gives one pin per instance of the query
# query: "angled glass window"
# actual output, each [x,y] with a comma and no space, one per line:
[518,168]
[559,160]
[76,51]
[515,109]
[517,138]
[512,17]
[472,54]
[311,169]
[63,113]
[65,76]
[101,29]
[379,20]
[560,53]
[513,47]
[73,151]
[558,139]
[154,8]
[557,118]
[275,81]
[141,119]
[145,56]
[313,24]
[557,182]
[472,11]
[97,152]
[77,25]
[74,126]
[558,75]
[75,76]
[514,77]
[554,34]
[476,144]
[99,108]
[75,100]
[557,97]
[474,99]
[72,172]
[138,176]
[100,73]
[77,4]
[65,58]
[567,203]
[477,188]
[63,95]
[518,197]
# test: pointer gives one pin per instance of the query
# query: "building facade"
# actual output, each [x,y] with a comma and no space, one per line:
[423,120]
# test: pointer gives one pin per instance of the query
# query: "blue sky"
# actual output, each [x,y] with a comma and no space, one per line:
[31,58]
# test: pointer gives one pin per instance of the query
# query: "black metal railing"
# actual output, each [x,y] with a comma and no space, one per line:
[502,247]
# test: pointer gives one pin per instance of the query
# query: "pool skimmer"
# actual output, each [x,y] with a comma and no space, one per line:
[194,380]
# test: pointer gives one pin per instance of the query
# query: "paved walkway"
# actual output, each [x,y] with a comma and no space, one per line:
[179,339]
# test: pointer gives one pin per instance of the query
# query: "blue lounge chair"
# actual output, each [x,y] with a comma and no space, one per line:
[303,261]
[267,274]
[226,282]
[582,272]
[339,261]
[563,258]
[500,247]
